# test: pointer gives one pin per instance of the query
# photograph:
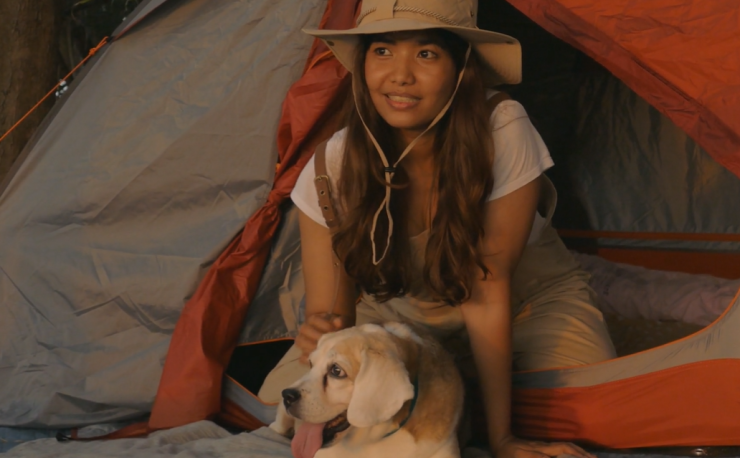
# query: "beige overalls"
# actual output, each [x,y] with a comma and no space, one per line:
[555,323]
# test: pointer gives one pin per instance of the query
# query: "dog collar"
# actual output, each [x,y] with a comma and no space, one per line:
[411,408]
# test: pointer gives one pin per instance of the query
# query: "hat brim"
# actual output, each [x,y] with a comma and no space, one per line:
[501,54]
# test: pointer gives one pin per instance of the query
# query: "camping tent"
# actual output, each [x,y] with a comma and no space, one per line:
[135,190]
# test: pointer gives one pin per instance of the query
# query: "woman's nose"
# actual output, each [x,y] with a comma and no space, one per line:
[402,73]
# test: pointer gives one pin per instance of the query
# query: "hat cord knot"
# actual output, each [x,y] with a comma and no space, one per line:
[411,9]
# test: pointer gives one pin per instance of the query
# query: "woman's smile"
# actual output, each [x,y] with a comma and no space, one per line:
[402,101]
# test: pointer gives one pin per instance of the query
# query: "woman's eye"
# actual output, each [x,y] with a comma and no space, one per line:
[336,371]
[426,54]
[381,51]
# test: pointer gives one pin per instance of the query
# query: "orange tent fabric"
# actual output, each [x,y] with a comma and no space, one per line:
[206,333]
[689,404]
[682,57]
[649,410]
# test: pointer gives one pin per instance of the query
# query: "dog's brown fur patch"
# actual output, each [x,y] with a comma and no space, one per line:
[440,400]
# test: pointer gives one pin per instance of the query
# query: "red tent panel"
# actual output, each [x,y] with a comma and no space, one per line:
[682,57]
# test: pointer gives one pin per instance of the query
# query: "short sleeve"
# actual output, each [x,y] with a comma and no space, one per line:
[304,193]
[520,154]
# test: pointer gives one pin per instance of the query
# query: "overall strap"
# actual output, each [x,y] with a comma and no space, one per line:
[323,188]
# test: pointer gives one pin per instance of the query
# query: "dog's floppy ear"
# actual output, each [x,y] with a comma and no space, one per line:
[381,387]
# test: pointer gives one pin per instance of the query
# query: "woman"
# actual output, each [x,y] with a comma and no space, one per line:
[438,205]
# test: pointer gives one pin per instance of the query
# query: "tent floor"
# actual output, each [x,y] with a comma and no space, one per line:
[635,335]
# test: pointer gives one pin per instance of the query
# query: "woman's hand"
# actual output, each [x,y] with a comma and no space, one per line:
[513,447]
[316,326]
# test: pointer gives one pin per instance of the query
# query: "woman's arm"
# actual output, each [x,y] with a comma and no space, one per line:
[508,221]
[330,293]
[487,315]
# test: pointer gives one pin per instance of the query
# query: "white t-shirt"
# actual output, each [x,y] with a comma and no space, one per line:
[520,157]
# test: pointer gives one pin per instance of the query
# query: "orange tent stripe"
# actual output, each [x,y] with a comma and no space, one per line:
[282,339]
[689,405]
[92,52]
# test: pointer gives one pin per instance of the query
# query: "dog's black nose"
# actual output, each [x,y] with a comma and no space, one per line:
[290,396]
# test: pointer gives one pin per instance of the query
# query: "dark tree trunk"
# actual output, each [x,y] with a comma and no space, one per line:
[29,68]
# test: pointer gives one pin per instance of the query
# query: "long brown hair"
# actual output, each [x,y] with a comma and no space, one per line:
[463,179]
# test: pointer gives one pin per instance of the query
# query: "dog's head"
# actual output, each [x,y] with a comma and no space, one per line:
[358,378]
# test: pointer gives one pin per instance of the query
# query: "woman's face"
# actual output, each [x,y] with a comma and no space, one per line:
[410,78]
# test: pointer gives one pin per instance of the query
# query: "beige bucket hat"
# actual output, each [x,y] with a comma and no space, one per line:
[501,54]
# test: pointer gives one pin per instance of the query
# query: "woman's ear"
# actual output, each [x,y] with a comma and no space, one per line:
[381,387]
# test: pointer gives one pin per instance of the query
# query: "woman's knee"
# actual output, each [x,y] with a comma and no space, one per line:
[560,334]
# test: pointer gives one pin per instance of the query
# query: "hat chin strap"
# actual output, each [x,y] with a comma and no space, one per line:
[385,205]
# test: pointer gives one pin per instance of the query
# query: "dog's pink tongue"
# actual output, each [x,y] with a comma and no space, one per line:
[307,440]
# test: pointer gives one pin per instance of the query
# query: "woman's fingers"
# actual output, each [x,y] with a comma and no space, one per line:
[513,447]
[582,452]
[338,322]
[311,331]
[559,448]
[520,450]
[305,343]
[521,453]
[321,322]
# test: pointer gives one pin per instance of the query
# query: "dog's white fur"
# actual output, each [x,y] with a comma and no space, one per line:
[374,368]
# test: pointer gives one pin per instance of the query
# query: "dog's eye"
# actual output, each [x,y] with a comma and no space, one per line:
[336,371]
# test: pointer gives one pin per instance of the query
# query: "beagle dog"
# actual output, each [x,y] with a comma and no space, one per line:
[374,391]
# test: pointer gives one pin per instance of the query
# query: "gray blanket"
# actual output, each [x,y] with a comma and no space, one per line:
[197,440]
[204,440]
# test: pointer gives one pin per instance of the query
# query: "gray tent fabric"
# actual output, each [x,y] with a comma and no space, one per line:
[277,308]
[149,169]
[634,170]
[144,8]
[635,292]
[276,311]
